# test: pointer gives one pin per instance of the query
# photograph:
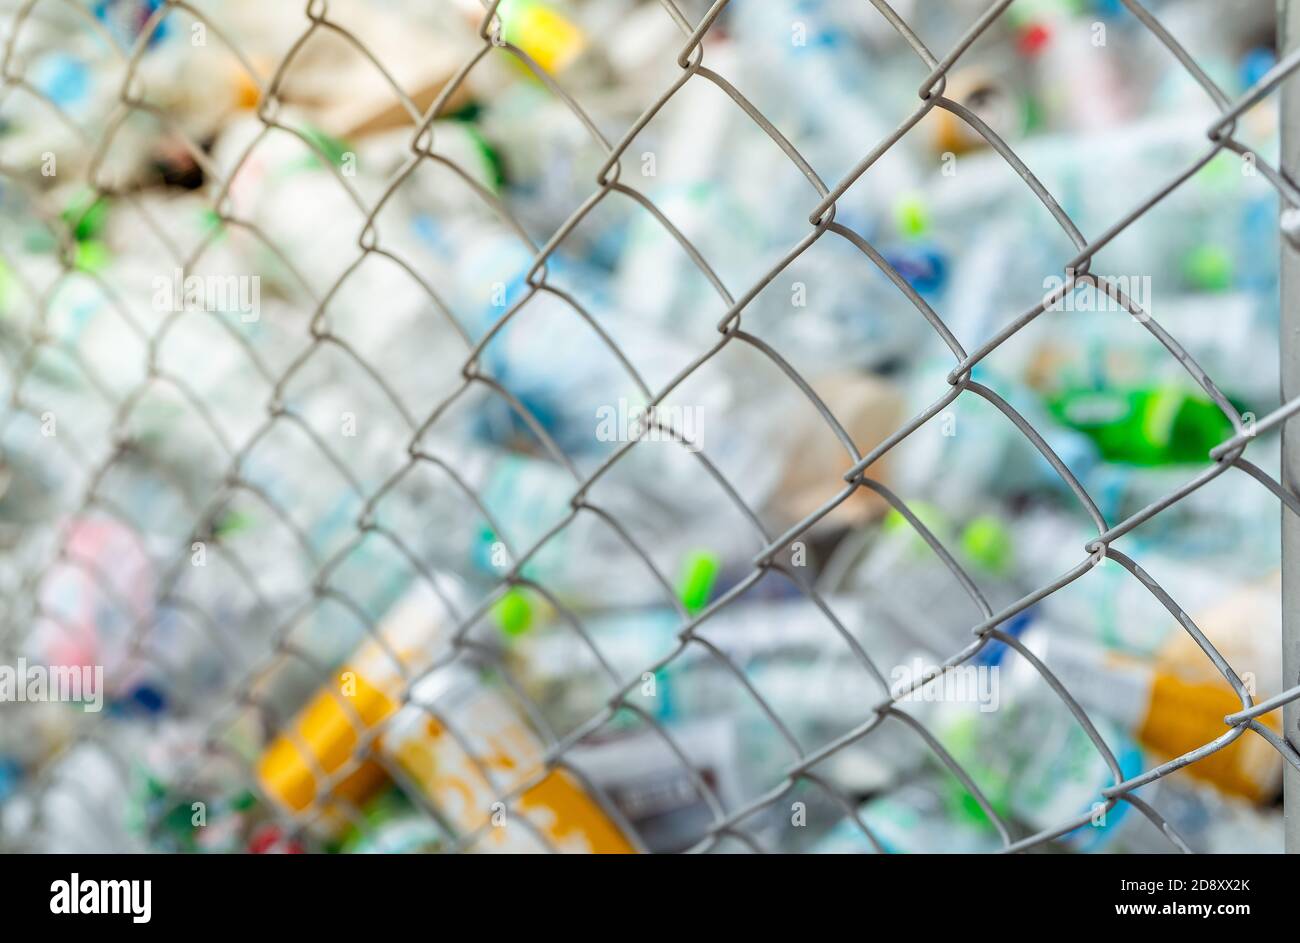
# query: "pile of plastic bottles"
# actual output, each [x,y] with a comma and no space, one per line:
[364,548]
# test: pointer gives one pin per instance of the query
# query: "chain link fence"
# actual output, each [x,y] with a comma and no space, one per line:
[218,502]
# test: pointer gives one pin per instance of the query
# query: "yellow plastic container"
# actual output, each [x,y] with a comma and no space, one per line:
[511,755]
[320,746]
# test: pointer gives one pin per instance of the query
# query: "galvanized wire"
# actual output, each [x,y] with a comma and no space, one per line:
[729,826]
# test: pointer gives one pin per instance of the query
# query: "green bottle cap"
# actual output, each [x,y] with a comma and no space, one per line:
[91,256]
[911,216]
[514,613]
[232,523]
[698,577]
[987,541]
[934,519]
[86,216]
[1209,268]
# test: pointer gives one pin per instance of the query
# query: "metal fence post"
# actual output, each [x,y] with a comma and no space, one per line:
[1289,39]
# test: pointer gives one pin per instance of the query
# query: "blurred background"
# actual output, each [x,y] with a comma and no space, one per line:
[328,331]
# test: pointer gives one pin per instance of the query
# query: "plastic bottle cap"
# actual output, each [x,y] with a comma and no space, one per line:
[1033,39]
[546,36]
[1209,268]
[91,255]
[232,522]
[514,613]
[923,269]
[911,217]
[86,218]
[1255,65]
[699,575]
[247,94]
[928,514]
[987,541]
[148,698]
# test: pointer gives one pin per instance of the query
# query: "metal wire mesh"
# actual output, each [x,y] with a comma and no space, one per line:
[200,521]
